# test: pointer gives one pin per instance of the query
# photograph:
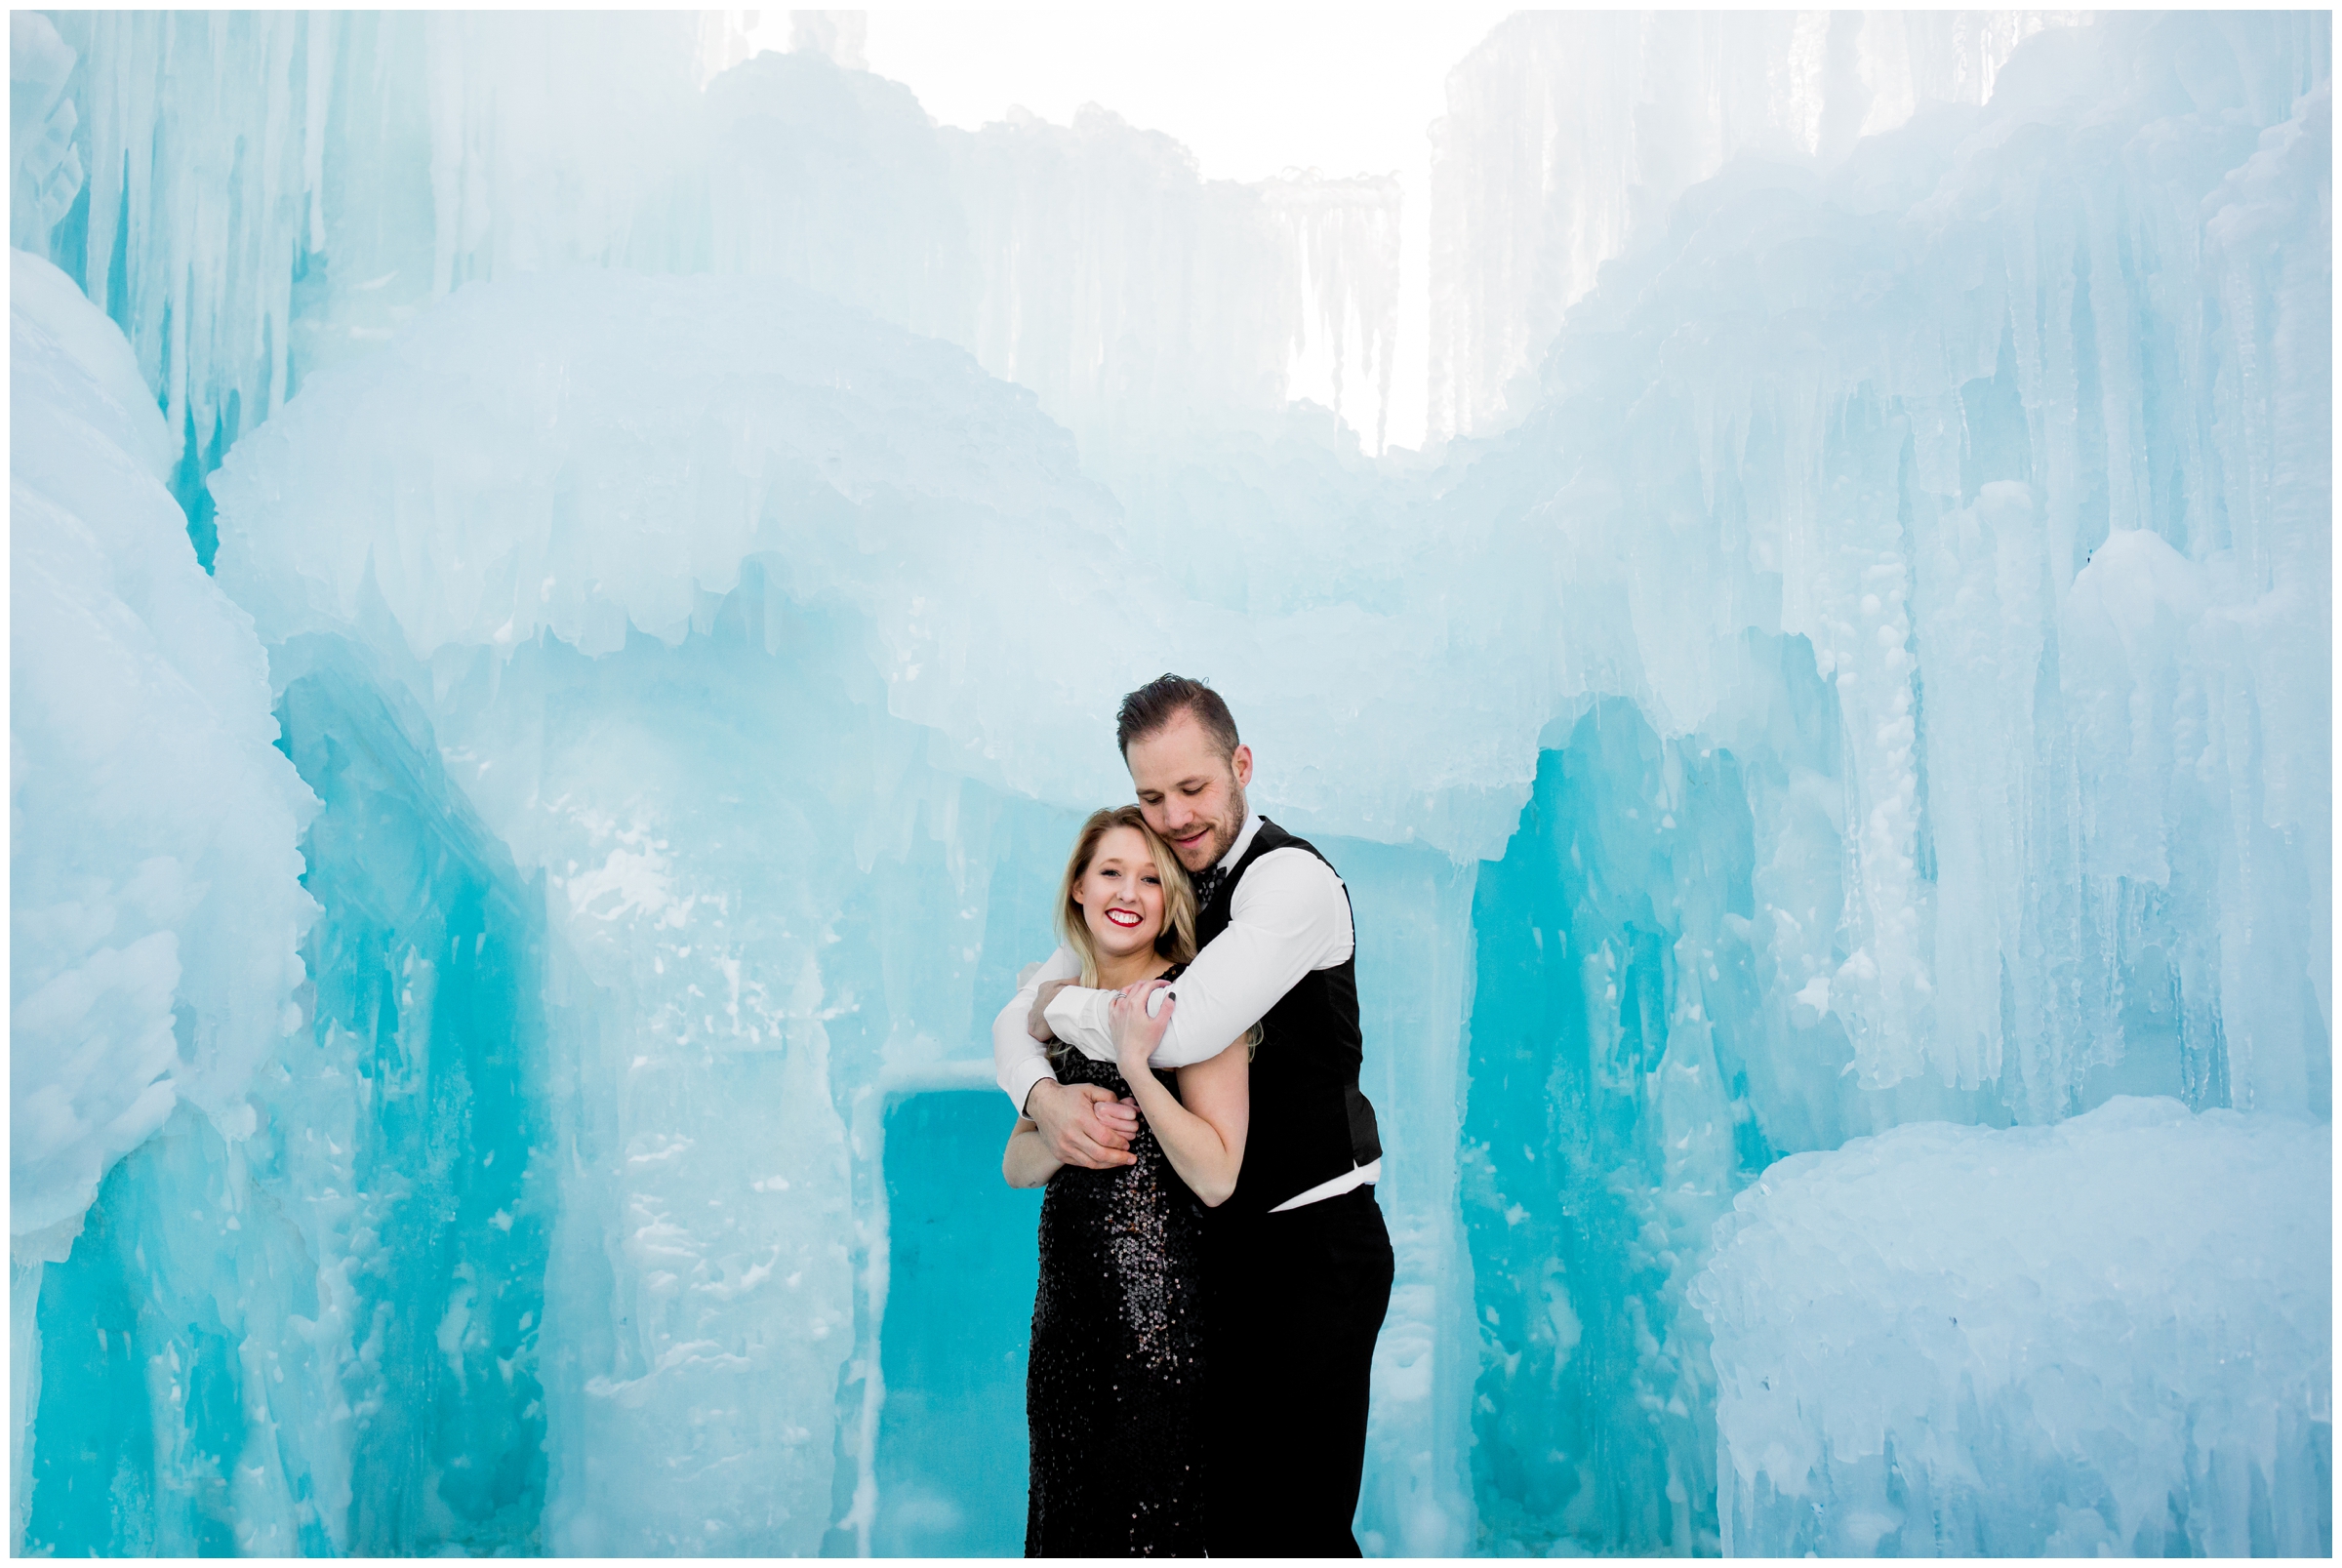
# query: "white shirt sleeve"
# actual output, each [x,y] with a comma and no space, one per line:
[1289,916]
[1019,1060]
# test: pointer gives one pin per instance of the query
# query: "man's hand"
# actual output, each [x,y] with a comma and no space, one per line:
[1082,1124]
[1037,1025]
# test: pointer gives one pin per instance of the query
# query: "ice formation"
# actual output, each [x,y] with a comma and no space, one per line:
[1918,1355]
[389,156]
[1858,679]
[1570,135]
[156,880]
[157,907]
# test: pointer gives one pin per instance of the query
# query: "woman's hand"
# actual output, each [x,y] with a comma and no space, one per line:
[1136,1035]
[1204,1138]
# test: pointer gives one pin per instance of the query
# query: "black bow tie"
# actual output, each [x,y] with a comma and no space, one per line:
[1207,883]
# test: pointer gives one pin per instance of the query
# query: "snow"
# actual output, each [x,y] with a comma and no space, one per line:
[1915,1351]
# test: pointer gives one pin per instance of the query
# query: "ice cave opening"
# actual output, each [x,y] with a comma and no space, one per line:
[961,1272]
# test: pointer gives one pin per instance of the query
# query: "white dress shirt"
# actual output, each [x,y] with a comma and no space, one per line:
[1289,916]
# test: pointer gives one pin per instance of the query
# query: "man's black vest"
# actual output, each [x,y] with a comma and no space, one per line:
[1310,1123]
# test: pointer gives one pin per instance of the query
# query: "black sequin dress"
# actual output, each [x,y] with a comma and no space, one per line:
[1114,1391]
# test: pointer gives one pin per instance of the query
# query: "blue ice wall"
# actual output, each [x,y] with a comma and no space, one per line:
[1574,1223]
[733,1284]
[430,965]
[1412,908]
[809,1190]
[108,1326]
[1631,1069]
[321,1339]
[1849,735]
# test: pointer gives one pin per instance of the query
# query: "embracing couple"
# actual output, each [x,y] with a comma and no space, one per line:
[1213,1266]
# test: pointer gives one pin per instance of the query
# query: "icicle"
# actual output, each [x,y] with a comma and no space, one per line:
[1567,135]
[318,32]
[46,171]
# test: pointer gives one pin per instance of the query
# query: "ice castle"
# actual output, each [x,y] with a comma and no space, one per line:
[553,579]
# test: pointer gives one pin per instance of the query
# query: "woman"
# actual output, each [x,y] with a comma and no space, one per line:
[1115,1386]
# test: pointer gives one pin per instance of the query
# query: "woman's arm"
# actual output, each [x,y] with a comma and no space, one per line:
[1027,1161]
[1288,915]
[1204,1136]
[1079,1123]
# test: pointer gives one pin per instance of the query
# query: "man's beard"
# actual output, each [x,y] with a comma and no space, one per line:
[1223,836]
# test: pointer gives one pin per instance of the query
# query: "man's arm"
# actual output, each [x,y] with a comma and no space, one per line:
[1290,917]
[1018,1060]
[1082,1124]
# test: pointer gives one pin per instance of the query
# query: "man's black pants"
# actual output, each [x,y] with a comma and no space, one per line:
[1295,1303]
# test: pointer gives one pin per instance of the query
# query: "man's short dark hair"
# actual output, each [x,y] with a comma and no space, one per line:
[1154,705]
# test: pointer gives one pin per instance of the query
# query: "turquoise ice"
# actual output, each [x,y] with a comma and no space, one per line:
[564,614]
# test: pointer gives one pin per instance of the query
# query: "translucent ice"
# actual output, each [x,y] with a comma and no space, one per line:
[1916,646]
[390,156]
[154,878]
[1867,662]
[153,848]
[598,453]
[270,191]
[802,481]
[2109,1334]
[1570,134]
[1826,402]
[314,1327]
[45,173]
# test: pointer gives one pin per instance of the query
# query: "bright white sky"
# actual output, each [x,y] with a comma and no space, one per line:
[1251,93]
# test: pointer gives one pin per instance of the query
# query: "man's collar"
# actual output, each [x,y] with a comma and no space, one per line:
[1236,851]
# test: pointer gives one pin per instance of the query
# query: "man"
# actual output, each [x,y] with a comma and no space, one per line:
[1300,1263]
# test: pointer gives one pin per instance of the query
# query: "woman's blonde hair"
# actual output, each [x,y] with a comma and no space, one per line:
[1176,941]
